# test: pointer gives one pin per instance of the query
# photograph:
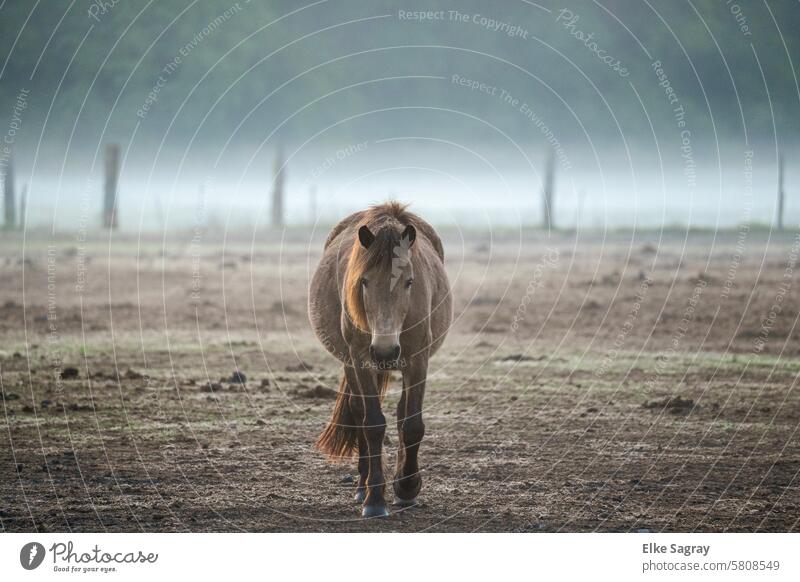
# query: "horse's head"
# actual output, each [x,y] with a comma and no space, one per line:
[381,276]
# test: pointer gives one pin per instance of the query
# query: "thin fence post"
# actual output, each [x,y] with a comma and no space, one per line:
[9,196]
[277,191]
[312,204]
[547,191]
[579,208]
[781,192]
[110,186]
[23,205]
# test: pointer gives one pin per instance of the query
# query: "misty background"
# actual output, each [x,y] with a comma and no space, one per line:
[657,114]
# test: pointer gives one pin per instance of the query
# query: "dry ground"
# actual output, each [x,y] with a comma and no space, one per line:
[644,386]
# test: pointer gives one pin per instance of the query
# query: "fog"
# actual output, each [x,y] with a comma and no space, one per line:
[482,187]
[656,117]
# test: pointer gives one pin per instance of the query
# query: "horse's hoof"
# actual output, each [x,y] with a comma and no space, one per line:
[374,511]
[407,489]
[361,494]
[400,502]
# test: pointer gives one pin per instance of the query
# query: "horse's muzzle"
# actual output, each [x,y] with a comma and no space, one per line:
[385,357]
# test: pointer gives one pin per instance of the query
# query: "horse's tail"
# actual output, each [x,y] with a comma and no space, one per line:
[339,440]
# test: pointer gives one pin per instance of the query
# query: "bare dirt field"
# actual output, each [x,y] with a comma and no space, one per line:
[596,382]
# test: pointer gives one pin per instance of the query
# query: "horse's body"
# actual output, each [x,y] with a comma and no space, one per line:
[379,301]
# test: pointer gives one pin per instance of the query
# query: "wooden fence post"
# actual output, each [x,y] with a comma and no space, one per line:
[781,193]
[277,191]
[9,196]
[547,191]
[23,205]
[110,186]
[312,204]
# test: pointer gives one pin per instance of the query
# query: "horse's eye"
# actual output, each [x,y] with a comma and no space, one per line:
[363,282]
[409,282]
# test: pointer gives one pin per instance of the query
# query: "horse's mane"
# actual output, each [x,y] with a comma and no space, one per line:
[386,221]
[392,209]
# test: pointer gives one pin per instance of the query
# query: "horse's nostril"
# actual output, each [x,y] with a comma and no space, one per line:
[384,354]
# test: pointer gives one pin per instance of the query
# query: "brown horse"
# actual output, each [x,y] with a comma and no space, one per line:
[380,301]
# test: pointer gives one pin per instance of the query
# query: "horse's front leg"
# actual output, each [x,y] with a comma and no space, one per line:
[366,405]
[363,453]
[410,429]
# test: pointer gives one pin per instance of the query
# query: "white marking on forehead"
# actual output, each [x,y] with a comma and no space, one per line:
[400,259]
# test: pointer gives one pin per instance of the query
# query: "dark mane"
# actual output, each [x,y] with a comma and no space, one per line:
[388,211]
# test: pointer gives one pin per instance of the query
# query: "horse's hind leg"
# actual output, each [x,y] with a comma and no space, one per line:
[410,429]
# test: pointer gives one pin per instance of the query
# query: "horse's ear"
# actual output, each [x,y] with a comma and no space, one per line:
[410,234]
[365,236]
